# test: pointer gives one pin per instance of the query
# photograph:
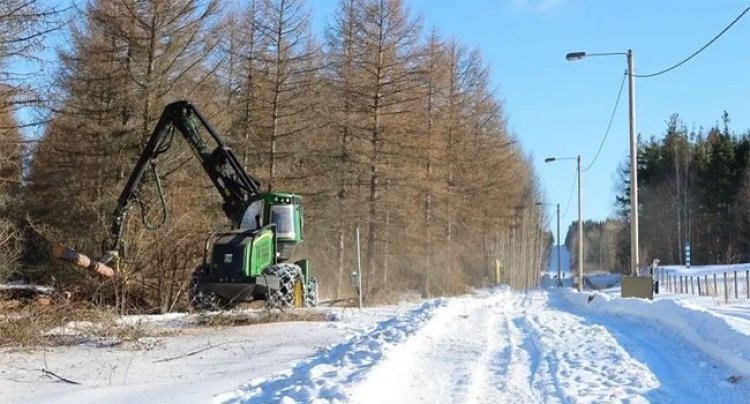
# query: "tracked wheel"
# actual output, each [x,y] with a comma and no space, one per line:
[291,292]
[200,299]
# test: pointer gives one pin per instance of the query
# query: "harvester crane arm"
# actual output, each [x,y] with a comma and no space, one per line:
[236,187]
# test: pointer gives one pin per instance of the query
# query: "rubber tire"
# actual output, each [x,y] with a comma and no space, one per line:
[283,298]
[311,293]
[200,299]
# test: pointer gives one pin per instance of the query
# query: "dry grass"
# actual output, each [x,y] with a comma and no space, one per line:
[79,323]
[230,319]
[64,324]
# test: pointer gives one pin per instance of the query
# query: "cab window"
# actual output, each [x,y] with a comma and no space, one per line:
[283,217]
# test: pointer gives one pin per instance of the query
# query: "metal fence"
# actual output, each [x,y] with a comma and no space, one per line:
[728,285]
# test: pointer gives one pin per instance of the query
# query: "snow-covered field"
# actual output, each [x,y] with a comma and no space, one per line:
[494,346]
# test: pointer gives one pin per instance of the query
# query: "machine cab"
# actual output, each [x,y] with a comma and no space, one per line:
[285,212]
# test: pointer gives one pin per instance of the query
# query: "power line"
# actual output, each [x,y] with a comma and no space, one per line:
[699,50]
[609,125]
[570,198]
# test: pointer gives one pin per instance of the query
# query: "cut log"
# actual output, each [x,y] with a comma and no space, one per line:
[82,261]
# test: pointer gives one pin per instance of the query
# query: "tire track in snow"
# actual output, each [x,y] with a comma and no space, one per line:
[441,363]
[484,385]
[585,362]
[474,351]
[509,348]
[531,346]
[544,369]
[512,364]
[503,373]
[527,375]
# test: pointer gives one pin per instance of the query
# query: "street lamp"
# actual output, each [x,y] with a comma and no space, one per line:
[580,215]
[633,152]
[559,272]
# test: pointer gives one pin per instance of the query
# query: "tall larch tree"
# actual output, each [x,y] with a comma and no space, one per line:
[127,60]
[342,56]
[23,27]
[288,59]
[389,45]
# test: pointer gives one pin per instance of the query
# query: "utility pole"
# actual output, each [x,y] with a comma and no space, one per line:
[633,170]
[580,227]
[580,216]
[633,151]
[559,245]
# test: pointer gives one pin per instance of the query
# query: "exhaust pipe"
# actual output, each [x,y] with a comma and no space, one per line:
[67,254]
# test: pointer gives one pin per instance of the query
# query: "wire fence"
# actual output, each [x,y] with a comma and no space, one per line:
[728,286]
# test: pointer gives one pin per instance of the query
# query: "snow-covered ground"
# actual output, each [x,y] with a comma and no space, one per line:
[494,346]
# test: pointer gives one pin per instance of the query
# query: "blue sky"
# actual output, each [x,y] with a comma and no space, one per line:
[560,108]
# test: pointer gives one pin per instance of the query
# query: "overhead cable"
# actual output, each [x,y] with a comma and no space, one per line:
[609,125]
[570,198]
[698,51]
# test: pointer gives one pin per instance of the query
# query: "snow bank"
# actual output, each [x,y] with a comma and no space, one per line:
[324,377]
[725,341]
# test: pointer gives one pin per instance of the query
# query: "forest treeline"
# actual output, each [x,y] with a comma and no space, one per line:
[695,187]
[377,122]
[693,190]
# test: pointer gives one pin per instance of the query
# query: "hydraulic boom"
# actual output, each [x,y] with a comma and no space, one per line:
[236,187]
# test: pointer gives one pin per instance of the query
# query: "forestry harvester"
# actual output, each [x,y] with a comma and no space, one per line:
[249,262]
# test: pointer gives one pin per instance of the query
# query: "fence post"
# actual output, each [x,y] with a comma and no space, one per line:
[698,278]
[726,289]
[692,287]
[705,283]
[716,290]
[685,289]
[747,283]
[687,284]
[735,286]
[681,284]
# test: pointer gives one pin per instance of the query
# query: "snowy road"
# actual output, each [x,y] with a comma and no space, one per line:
[495,346]
[508,348]
[505,347]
